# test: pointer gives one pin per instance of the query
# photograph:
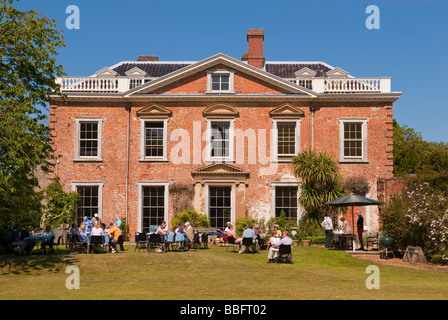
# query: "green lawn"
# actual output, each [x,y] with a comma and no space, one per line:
[316,273]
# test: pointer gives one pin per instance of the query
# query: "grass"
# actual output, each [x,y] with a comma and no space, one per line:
[316,273]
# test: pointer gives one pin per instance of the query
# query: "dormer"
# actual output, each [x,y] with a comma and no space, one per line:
[304,77]
[305,73]
[136,72]
[106,72]
[337,73]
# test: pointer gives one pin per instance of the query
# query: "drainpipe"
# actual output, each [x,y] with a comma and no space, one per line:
[128,146]
[312,127]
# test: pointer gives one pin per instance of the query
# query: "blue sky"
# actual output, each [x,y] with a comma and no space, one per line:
[411,45]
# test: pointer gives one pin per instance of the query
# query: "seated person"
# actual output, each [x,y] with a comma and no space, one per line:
[97,230]
[278,231]
[15,238]
[48,232]
[248,233]
[178,228]
[231,233]
[114,234]
[189,233]
[82,236]
[274,240]
[162,229]
[273,250]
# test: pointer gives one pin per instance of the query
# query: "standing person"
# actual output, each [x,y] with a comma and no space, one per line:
[328,226]
[360,226]
[88,224]
[345,226]
[118,223]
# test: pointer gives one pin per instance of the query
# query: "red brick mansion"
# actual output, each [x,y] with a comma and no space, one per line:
[132,134]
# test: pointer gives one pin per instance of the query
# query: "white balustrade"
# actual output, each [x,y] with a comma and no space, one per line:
[351,85]
[91,84]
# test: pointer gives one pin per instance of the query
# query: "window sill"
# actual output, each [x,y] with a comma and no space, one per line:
[351,161]
[87,160]
[154,160]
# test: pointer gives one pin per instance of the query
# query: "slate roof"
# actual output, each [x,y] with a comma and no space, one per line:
[287,69]
[153,69]
[158,69]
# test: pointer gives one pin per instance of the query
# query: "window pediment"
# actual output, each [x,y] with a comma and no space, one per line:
[287,110]
[221,110]
[154,110]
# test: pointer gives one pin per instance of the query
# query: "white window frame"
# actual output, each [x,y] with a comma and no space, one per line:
[231,157]
[99,184]
[364,123]
[275,155]
[211,73]
[232,197]
[300,210]
[77,156]
[143,156]
[140,186]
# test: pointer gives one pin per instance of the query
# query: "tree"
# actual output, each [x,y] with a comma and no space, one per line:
[321,181]
[28,70]
[60,206]
[414,155]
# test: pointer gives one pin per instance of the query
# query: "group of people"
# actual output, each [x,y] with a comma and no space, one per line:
[163,229]
[25,242]
[96,227]
[329,230]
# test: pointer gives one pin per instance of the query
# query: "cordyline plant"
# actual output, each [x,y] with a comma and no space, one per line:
[321,181]
[28,69]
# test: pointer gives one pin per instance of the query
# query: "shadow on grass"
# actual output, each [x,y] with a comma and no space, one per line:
[34,263]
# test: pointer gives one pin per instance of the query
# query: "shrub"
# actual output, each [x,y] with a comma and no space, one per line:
[316,239]
[309,227]
[241,225]
[419,217]
[196,219]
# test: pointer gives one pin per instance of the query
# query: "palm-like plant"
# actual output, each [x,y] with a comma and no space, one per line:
[321,180]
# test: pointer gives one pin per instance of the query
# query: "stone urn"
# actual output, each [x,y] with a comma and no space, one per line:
[306,243]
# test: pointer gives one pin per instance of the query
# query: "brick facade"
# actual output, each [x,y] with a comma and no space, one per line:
[122,172]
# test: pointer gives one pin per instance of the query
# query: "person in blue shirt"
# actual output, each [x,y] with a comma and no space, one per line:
[88,224]
[118,223]
[248,233]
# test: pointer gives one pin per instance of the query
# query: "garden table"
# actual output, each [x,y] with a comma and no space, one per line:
[213,237]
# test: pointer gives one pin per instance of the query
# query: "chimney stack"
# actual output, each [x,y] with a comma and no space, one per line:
[148,58]
[255,56]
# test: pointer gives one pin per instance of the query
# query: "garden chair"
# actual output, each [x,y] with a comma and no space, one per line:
[97,242]
[156,240]
[284,254]
[231,241]
[248,243]
[205,240]
[140,241]
[51,244]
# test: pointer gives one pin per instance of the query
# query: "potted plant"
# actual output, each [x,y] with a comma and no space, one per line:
[306,242]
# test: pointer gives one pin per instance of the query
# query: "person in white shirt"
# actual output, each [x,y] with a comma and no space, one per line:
[328,226]
[276,243]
